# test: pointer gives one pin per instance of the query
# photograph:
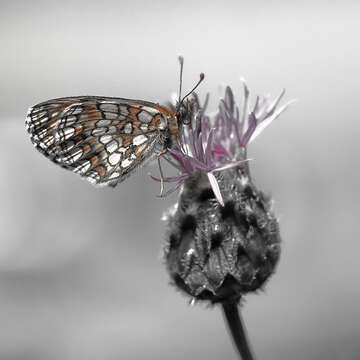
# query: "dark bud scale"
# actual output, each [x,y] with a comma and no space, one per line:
[220,253]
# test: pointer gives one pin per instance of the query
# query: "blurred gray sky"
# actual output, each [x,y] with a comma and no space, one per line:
[80,275]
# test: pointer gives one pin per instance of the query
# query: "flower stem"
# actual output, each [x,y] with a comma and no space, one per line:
[237,330]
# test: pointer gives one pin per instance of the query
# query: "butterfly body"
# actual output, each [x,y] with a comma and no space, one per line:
[101,138]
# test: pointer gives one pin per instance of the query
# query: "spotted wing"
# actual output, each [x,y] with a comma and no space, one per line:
[101,138]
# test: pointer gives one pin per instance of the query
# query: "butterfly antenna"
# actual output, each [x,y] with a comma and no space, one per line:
[181,61]
[202,77]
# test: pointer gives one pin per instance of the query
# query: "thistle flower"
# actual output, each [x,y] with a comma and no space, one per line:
[220,250]
[223,239]
[195,154]
[209,149]
[235,133]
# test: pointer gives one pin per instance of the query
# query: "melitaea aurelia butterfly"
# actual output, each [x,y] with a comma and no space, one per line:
[104,138]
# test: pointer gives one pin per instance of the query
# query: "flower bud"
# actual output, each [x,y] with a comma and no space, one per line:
[219,253]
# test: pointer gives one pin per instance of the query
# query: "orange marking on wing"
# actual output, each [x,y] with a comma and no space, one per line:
[94,160]
[128,152]
[164,110]
[100,170]
[43,133]
[58,112]
[92,112]
[133,113]
[77,140]
[88,124]
[139,149]
[127,140]
[78,129]
[121,124]
[135,125]
[86,148]
[154,122]
[64,106]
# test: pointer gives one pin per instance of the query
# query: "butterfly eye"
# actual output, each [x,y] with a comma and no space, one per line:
[187,120]
[184,116]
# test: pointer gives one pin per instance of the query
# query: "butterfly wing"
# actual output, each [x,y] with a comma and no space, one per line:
[101,138]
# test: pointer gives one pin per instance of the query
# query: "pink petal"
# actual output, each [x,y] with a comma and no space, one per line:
[208,151]
[252,127]
[260,128]
[237,126]
[178,155]
[215,187]
[231,165]
[218,149]
[274,104]
[245,110]
[229,99]
[196,164]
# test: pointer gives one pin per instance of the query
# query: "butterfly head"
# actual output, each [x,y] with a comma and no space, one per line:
[184,113]
[185,109]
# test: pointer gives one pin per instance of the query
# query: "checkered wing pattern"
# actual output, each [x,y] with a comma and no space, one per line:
[101,138]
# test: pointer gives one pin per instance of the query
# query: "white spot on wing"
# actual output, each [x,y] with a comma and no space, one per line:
[112,130]
[105,139]
[109,107]
[123,110]
[42,134]
[73,109]
[114,159]
[98,131]
[69,120]
[110,115]
[140,139]
[68,132]
[125,163]
[112,146]
[141,148]
[128,128]
[144,116]
[83,168]
[114,175]
[101,123]
[64,134]
[71,158]
[151,110]
[162,124]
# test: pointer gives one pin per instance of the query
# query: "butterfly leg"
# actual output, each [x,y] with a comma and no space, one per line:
[161,172]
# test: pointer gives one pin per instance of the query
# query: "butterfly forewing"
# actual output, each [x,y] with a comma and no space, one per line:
[100,138]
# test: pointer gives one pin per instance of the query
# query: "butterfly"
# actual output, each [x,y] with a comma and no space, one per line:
[104,139]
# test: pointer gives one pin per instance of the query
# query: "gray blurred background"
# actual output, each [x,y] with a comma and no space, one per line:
[80,270]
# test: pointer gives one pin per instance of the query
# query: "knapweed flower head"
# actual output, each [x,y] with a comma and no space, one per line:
[195,154]
[209,147]
[234,130]
[223,239]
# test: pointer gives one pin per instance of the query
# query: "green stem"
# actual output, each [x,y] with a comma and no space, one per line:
[237,330]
